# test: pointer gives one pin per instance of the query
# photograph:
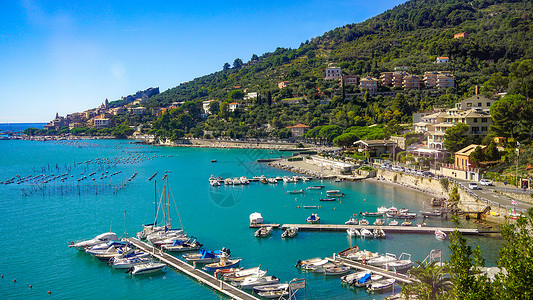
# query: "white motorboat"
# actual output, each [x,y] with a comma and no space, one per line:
[403,263]
[277,294]
[382,260]
[99,239]
[379,233]
[339,270]
[379,222]
[349,279]
[366,233]
[381,285]
[290,232]
[393,223]
[256,280]
[128,262]
[242,274]
[323,267]
[224,263]
[314,265]
[263,231]
[146,268]
[440,235]
[407,223]
[236,181]
[353,232]
[382,209]
[271,287]
[364,222]
[214,182]
[351,221]
[306,262]
[244,180]
[181,246]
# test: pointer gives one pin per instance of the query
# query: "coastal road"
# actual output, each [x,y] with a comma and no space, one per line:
[494,197]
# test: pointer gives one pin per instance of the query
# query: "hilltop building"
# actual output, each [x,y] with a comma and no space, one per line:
[333,73]
[369,83]
[442,60]
[283,84]
[299,130]
[460,35]
[56,123]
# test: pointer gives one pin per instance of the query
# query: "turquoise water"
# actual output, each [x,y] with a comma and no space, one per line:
[39,220]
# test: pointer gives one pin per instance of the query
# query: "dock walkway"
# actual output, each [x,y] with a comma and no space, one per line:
[386,228]
[373,269]
[201,276]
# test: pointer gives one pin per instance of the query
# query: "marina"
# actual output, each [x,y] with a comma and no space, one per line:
[203,277]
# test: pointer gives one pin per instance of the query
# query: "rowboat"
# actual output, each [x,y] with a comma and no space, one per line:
[440,235]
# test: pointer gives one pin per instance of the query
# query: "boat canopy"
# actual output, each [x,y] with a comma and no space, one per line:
[256,218]
[177,243]
[365,278]
[116,243]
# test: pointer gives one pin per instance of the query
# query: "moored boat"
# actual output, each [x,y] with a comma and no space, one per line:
[99,239]
[366,233]
[224,263]
[328,199]
[440,235]
[313,219]
[207,256]
[256,218]
[240,275]
[257,280]
[182,246]
[290,232]
[146,268]
[339,270]
[353,232]
[381,285]
[263,231]
[300,191]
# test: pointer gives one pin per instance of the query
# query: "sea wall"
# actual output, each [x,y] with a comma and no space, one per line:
[207,143]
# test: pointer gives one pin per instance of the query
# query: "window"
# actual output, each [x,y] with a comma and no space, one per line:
[469,105]
[479,104]
[488,104]
[475,120]
[483,128]
[475,129]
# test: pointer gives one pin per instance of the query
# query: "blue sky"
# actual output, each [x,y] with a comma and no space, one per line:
[69,56]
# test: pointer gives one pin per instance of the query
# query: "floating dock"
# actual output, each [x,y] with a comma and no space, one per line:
[203,277]
[386,228]
[375,270]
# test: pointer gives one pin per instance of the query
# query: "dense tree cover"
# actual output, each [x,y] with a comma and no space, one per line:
[513,117]
[456,137]
[411,34]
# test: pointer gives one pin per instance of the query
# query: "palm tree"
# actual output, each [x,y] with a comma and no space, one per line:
[431,282]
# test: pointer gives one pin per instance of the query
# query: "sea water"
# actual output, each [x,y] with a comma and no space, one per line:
[40,219]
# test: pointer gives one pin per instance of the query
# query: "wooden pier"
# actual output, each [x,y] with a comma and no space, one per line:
[375,270]
[386,228]
[203,277]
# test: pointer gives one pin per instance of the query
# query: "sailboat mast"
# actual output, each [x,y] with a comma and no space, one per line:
[164,204]
[125,226]
[155,203]
[168,203]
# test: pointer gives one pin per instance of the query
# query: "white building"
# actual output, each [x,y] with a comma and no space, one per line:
[333,73]
[101,123]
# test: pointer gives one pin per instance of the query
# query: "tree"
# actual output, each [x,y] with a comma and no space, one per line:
[226,66]
[515,257]
[330,132]
[237,63]
[345,140]
[198,132]
[224,110]
[254,57]
[236,95]
[512,116]
[477,156]
[456,137]
[492,153]
[433,281]
[122,131]
[214,107]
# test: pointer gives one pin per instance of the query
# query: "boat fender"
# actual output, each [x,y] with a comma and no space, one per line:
[72,243]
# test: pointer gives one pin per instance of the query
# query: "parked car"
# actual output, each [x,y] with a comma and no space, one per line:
[485,182]
[473,186]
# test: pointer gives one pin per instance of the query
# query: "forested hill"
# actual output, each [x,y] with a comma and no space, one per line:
[412,34]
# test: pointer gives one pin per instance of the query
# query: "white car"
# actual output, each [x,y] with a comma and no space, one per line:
[485,182]
[473,186]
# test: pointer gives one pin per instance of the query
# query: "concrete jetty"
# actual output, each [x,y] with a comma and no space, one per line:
[387,229]
[375,270]
[203,277]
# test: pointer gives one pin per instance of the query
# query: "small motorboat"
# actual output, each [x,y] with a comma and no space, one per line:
[99,239]
[372,214]
[257,280]
[300,191]
[393,223]
[403,263]
[363,255]
[213,160]
[315,264]
[364,222]
[224,263]
[366,233]
[367,279]
[422,224]
[146,268]
[382,209]
[315,187]
[407,223]
[214,183]
[339,270]
[346,252]
[207,256]
[407,215]
[290,232]
[182,246]
[333,192]
[379,233]
[349,279]
[328,199]
[240,275]
[352,221]
[271,287]
[379,222]
[126,263]
[313,219]
[434,213]
[353,232]
[276,294]
[440,235]
[382,260]
[263,231]
[381,285]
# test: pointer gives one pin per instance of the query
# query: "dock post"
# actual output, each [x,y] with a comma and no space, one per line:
[221,284]
[334,256]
